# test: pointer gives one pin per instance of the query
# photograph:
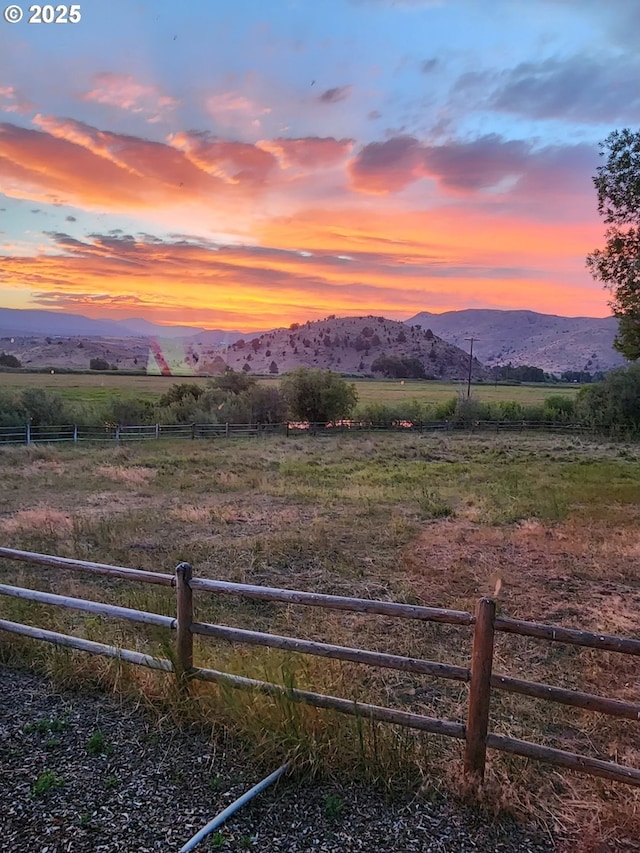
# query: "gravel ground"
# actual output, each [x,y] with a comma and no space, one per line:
[82,773]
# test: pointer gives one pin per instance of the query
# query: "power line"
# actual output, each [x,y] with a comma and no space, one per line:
[471,339]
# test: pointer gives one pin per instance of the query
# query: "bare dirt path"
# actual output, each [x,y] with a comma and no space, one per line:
[84,772]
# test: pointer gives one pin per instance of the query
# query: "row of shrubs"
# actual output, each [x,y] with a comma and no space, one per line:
[307,395]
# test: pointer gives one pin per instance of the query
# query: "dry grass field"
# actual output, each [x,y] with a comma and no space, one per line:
[440,520]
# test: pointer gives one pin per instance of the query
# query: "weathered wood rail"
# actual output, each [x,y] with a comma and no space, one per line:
[479,675]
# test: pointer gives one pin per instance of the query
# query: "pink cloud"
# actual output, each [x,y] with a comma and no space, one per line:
[489,166]
[233,109]
[310,152]
[125,93]
[14,102]
[232,162]
[386,167]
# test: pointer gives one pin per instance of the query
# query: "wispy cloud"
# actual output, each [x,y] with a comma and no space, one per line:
[309,152]
[126,93]
[579,89]
[235,110]
[12,101]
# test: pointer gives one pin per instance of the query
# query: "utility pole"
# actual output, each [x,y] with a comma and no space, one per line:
[470,364]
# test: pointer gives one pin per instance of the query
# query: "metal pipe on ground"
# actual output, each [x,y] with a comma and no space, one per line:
[224,815]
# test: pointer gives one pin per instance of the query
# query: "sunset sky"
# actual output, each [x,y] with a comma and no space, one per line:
[245,164]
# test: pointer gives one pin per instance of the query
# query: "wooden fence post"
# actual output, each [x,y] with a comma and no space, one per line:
[480,690]
[184,613]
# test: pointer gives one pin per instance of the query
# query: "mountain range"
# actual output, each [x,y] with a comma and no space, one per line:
[20,322]
[551,342]
[548,341]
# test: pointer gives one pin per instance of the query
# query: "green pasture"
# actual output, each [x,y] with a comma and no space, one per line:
[89,388]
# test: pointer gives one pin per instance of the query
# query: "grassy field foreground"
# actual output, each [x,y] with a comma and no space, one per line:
[551,521]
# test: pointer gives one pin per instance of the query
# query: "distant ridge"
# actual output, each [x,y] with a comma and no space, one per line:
[549,341]
[15,321]
[27,321]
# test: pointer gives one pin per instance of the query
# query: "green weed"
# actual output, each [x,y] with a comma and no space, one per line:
[45,782]
[97,744]
[333,806]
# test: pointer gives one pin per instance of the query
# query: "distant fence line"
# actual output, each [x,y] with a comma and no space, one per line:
[73,433]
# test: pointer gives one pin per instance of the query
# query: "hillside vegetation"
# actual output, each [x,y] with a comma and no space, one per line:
[351,345]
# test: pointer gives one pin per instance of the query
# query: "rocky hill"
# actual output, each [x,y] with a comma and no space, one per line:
[347,345]
[75,353]
[525,337]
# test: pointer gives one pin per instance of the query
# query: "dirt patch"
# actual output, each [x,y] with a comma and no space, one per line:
[568,572]
[133,475]
[41,519]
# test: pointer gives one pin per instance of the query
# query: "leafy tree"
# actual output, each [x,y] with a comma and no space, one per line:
[581,376]
[234,382]
[8,360]
[394,367]
[181,391]
[617,266]
[130,411]
[98,364]
[521,373]
[613,403]
[559,408]
[267,405]
[12,411]
[318,396]
[273,367]
[43,408]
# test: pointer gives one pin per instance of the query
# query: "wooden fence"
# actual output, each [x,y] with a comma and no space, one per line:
[74,434]
[479,675]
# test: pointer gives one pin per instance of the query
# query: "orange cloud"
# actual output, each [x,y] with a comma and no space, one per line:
[356,265]
[73,163]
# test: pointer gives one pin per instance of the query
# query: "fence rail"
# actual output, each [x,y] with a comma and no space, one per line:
[75,433]
[479,675]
